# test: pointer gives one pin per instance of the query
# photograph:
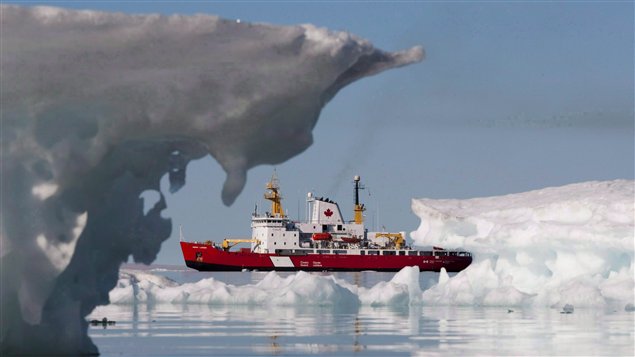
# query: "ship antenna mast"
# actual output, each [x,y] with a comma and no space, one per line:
[359,208]
[273,195]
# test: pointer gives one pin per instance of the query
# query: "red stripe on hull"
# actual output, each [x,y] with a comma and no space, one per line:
[215,259]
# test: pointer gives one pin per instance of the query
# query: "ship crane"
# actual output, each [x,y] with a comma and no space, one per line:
[229,243]
[395,239]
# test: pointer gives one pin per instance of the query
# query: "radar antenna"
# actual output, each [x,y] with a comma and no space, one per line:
[273,195]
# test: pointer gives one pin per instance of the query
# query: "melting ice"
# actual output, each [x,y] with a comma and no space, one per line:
[98,106]
[299,289]
[550,247]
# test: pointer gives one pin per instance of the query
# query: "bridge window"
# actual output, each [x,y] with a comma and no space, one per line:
[401,252]
[389,253]
[373,252]
[339,252]
[413,253]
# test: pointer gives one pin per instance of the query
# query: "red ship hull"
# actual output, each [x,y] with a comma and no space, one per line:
[205,257]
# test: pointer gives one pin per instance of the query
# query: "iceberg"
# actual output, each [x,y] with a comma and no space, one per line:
[549,247]
[402,290]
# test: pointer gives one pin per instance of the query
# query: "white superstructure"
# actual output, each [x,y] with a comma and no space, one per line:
[273,231]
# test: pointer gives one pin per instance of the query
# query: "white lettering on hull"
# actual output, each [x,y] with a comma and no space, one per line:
[282,262]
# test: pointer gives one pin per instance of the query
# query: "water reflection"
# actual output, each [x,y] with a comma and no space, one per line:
[248,330]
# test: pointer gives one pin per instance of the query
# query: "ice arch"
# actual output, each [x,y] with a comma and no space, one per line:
[98,106]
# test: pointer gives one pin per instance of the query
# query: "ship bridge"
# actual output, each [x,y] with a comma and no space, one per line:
[273,230]
[268,220]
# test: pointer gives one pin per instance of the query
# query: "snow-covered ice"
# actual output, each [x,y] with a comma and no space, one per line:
[549,247]
[299,289]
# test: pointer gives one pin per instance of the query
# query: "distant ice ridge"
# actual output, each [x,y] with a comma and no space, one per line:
[549,247]
[301,288]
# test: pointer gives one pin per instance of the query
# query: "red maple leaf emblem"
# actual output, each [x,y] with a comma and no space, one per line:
[328,212]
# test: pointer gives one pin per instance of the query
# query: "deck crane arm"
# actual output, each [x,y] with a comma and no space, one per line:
[229,243]
[395,238]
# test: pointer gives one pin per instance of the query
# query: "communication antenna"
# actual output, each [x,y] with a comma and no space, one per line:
[358,208]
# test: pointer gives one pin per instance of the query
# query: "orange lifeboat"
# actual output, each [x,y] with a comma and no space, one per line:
[321,236]
[350,240]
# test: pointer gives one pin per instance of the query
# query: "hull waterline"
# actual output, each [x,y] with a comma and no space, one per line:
[204,257]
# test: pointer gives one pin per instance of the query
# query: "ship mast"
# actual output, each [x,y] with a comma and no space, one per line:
[273,195]
[358,208]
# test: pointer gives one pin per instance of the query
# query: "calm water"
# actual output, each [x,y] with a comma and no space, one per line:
[198,330]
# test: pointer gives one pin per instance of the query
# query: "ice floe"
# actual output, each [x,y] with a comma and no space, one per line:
[549,247]
[299,289]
